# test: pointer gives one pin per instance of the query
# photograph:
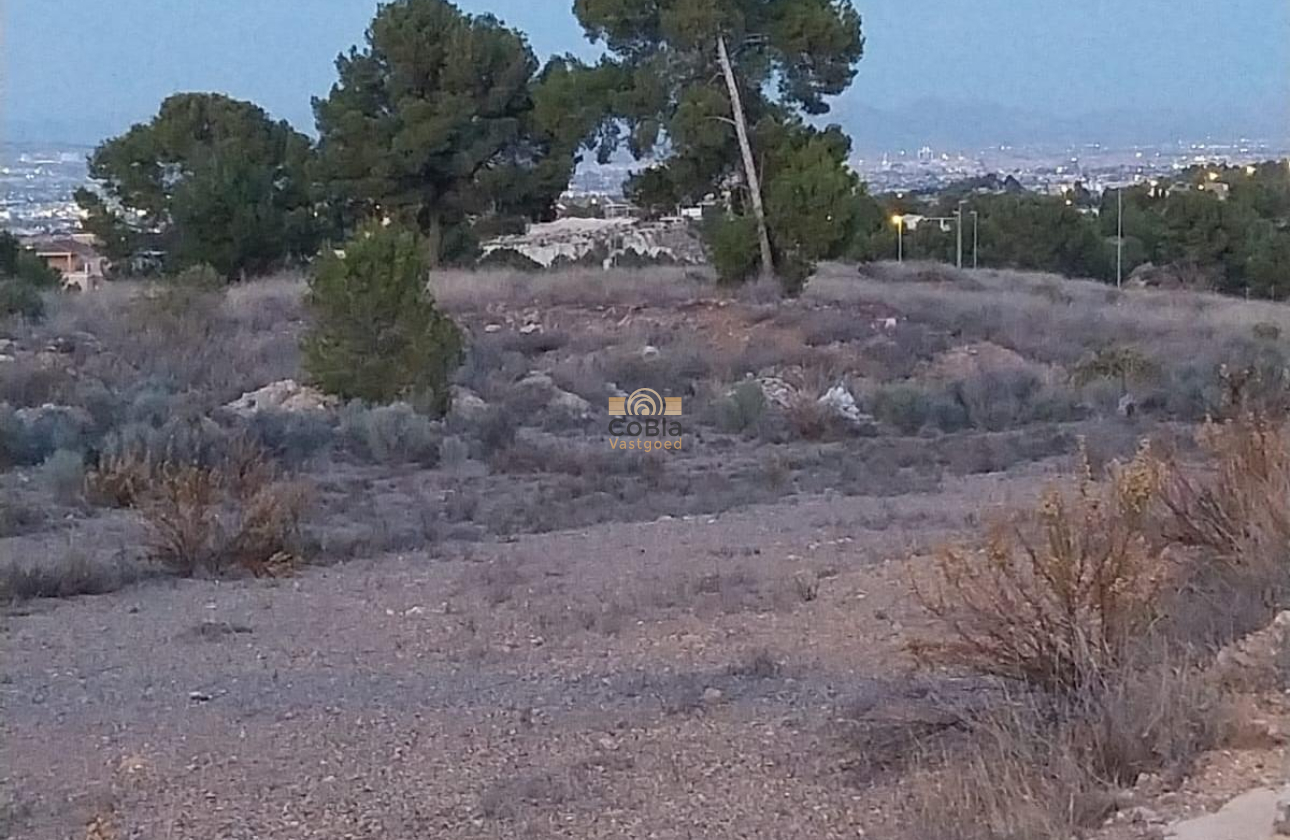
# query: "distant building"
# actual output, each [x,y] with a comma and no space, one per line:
[73,256]
[1218,188]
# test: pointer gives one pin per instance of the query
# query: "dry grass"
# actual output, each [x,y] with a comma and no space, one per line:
[1039,768]
[1057,598]
[215,345]
[67,575]
[475,290]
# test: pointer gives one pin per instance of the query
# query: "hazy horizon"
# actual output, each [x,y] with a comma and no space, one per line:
[952,74]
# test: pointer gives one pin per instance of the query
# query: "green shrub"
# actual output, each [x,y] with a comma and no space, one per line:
[391,434]
[735,253]
[291,437]
[905,406]
[732,247]
[27,439]
[377,334]
[63,473]
[18,297]
[199,276]
[743,409]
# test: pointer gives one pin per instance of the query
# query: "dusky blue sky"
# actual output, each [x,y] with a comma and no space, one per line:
[77,70]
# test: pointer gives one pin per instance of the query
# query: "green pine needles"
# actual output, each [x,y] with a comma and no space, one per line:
[377,334]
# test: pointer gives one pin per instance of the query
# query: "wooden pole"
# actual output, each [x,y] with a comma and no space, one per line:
[750,164]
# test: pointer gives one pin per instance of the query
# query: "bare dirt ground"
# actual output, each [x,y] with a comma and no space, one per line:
[400,697]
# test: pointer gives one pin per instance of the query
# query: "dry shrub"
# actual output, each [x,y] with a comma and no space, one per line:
[120,479]
[212,519]
[1055,599]
[238,512]
[811,420]
[1240,507]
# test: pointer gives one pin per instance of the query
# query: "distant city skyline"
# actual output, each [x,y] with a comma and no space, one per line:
[950,73]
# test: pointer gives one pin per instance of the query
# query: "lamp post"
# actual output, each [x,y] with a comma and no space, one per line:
[959,215]
[976,222]
[899,221]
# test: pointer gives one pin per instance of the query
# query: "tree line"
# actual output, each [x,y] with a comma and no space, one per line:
[1221,227]
[446,124]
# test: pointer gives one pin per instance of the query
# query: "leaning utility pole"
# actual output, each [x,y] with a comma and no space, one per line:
[1119,238]
[750,164]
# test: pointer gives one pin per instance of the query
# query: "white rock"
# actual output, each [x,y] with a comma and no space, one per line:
[536,379]
[529,329]
[557,398]
[69,413]
[649,351]
[570,403]
[493,328]
[466,404]
[841,403]
[1251,816]
[778,392]
[284,395]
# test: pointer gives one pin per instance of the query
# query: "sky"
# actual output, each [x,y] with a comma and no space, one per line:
[1212,65]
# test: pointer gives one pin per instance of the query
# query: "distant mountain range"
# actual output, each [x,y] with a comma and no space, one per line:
[956,125]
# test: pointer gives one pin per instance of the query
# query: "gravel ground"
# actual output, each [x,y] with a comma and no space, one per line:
[674,679]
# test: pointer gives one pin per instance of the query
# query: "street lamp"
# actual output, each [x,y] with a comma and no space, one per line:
[959,214]
[899,221]
[976,221]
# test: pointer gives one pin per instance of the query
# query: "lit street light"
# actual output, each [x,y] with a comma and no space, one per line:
[899,221]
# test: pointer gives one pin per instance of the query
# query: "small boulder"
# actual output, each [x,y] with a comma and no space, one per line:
[840,403]
[570,403]
[536,379]
[553,396]
[285,395]
[778,392]
[466,404]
